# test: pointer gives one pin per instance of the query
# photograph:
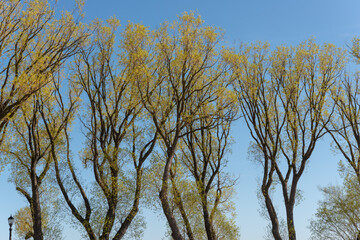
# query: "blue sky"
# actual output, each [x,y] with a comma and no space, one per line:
[277,22]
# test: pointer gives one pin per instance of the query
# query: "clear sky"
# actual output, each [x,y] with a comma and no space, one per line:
[277,22]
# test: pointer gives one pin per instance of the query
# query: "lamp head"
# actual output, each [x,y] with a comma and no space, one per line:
[10,220]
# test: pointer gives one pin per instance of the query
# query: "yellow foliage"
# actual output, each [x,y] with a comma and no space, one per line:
[34,44]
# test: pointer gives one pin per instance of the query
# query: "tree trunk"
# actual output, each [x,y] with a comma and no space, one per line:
[290,203]
[180,206]
[35,207]
[175,232]
[135,208]
[273,217]
[210,232]
[290,220]
[110,217]
[163,195]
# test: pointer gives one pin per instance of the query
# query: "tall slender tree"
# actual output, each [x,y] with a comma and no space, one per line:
[203,155]
[119,138]
[30,150]
[187,78]
[284,98]
[344,125]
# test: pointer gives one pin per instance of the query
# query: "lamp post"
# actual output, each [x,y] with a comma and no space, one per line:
[10,221]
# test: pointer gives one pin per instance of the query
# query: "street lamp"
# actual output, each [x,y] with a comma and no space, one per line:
[10,221]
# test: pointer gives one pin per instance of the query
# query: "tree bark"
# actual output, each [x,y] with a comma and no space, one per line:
[36,209]
[290,221]
[135,208]
[163,195]
[273,217]
[179,203]
[210,232]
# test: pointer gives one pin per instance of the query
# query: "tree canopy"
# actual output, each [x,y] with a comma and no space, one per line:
[156,109]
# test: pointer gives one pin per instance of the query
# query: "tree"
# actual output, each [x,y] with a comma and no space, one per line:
[344,130]
[29,150]
[186,79]
[118,136]
[284,96]
[355,49]
[33,45]
[338,215]
[24,225]
[203,156]
[201,191]
[344,125]
[185,197]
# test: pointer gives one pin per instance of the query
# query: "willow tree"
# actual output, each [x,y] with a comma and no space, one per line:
[203,156]
[200,189]
[186,77]
[284,98]
[344,130]
[33,44]
[29,151]
[355,49]
[338,214]
[344,126]
[119,138]
[51,223]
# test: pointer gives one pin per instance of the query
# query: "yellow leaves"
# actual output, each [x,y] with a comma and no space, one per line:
[210,35]
[280,59]
[185,59]
[134,36]
[226,98]
[285,67]
[35,12]
[186,42]
[289,84]
[331,59]
[113,22]
[229,56]
[23,222]
[355,49]
[187,23]
[105,33]
[36,46]
[135,43]
[80,6]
